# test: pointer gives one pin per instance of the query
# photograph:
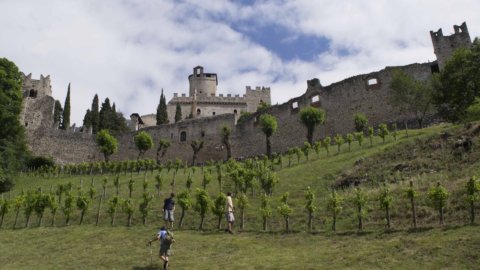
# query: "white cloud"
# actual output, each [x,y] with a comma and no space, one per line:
[129,50]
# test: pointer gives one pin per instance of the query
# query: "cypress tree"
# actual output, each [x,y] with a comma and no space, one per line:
[106,116]
[57,114]
[94,115]
[66,111]
[178,113]
[162,115]
[87,119]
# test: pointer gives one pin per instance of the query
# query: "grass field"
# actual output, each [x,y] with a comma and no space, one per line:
[454,246]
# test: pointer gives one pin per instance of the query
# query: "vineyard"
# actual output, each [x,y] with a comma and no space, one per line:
[394,193]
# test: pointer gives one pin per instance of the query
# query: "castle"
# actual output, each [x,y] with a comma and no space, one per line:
[366,93]
[203,100]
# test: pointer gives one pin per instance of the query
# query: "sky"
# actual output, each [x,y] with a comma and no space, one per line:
[129,50]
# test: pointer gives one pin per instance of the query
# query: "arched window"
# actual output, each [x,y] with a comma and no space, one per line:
[183,136]
[213,113]
[199,111]
[235,112]
[32,94]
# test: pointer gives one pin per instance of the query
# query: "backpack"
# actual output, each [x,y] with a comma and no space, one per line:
[168,240]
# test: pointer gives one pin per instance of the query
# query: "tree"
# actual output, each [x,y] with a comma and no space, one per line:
[226,131]
[370,135]
[106,116]
[338,141]
[57,114]
[196,145]
[178,113]
[67,208]
[360,122]
[158,183]
[12,138]
[306,149]
[107,143]
[82,204]
[162,115]
[438,196]
[163,145]
[317,146]
[18,202]
[473,195]
[360,201]
[410,95]
[128,208]
[285,210]
[310,206]
[87,120]
[326,144]
[349,138]
[202,205]
[218,208]
[335,206]
[66,111]
[311,117]
[143,142]
[28,206]
[265,210]
[145,207]
[386,200]
[94,115]
[185,202]
[242,203]
[4,208]
[459,83]
[394,131]
[411,194]
[112,208]
[359,137]
[383,131]
[269,127]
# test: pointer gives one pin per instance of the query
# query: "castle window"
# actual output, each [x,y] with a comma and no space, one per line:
[202,133]
[295,105]
[213,113]
[183,136]
[26,124]
[315,99]
[32,93]
[235,112]
[199,111]
[372,81]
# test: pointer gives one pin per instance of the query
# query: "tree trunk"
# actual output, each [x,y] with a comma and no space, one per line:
[472,212]
[28,221]
[414,212]
[387,214]
[180,223]
[269,147]
[201,223]
[442,221]
[264,224]
[360,221]
[98,212]
[53,218]
[1,220]
[144,220]
[82,214]
[287,223]
[310,217]
[129,220]
[158,157]
[112,222]
[67,220]
[242,218]
[310,135]
[194,158]
[40,217]
[406,128]
[334,223]
[16,218]
[219,224]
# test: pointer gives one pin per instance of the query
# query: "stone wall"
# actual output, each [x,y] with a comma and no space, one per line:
[444,46]
[37,112]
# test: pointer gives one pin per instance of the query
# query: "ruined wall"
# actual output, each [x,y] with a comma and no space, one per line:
[444,46]
[37,112]
[255,96]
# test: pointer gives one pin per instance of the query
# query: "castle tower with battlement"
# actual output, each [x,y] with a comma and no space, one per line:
[445,46]
[203,100]
[38,103]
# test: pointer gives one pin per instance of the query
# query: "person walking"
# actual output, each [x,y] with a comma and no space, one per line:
[168,211]
[229,213]
[166,240]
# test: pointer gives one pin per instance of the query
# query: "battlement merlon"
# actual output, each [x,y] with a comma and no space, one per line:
[36,88]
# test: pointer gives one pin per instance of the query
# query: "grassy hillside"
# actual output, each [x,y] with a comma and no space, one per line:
[425,157]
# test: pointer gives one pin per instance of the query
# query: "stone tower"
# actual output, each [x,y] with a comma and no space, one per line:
[444,46]
[205,84]
[38,103]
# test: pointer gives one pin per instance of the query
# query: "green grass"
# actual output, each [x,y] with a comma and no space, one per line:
[119,247]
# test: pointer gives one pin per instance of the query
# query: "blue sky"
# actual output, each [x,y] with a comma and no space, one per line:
[129,50]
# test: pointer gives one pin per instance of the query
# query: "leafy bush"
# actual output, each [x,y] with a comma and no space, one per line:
[40,162]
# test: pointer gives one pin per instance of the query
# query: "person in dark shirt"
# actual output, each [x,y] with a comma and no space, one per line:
[168,210]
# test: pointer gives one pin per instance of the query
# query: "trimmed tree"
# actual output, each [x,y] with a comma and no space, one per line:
[360,201]
[438,196]
[265,210]
[411,194]
[162,115]
[226,131]
[202,205]
[306,149]
[112,208]
[269,127]
[145,207]
[360,121]
[371,133]
[82,204]
[326,144]
[285,210]
[349,138]
[242,204]
[143,142]
[335,207]
[107,143]
[383,131]
[386,200]
[310,206]
[128,208]
[338,141]
[185,201]
[359,137]
[66,110]
[218,208]
[163,145]
[311,117]
[196,145]
[473,191]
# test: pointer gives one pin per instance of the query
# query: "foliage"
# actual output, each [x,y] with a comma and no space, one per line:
[110,119]
[57,114]
[107,143]
[459,83]
[410,95]
[269,127]
[196,145]
[145,206]
[128,208]
[113,203]
[360,122]
[226,131]
[143,142]
[218,207]
[202,205]
[311,117]
[163,145]
[285,210]
[6,183]
[473,111]
[243,117]
[37,162]
[94,117]
[66,111]
[326,144]
[162,115]
[349,139]
[371,133]
[359,137]
[267,178]
[67,207]
[306,149]
[12,138]
[438,196]
[383,131]
[334,205]
[265,210]
[82,203]
[178,113]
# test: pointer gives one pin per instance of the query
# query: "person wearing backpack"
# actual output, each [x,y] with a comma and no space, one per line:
[168,210]
[166,240]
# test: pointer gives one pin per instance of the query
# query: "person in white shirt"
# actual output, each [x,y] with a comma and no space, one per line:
[229,209]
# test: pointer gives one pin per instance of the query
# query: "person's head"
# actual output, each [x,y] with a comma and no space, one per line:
[229,193]
[172,195]
[163,228]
